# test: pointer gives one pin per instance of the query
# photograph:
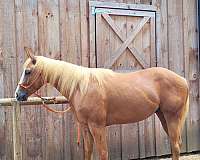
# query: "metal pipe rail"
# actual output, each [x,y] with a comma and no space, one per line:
[17,143]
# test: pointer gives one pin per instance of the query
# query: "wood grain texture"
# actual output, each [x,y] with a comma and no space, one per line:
[49,45]
[64,50]
[27,35]
[150,122]
[8,46]
[175,42]
[128,4]
[122,36]
[106,45]
[17,136]
[104,39]
[147,130]
[65,29]
[191,72]
[84,32]
[127,12]
[130,132]
[2,113]
[121,49]
[163,55]
[114,132]
[162,140]
[73,49]
[92,57]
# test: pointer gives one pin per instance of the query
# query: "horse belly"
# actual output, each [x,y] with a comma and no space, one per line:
[126,115]
[131,99]
[122,114]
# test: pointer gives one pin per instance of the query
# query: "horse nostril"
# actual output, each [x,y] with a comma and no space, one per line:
[17,95]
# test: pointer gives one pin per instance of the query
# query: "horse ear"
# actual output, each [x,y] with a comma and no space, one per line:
[30,54]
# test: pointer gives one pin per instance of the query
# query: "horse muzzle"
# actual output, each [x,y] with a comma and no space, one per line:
[21,96]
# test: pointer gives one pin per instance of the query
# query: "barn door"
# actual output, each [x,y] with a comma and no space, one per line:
[124,40]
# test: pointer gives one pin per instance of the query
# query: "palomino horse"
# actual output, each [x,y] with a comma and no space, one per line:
[101,97]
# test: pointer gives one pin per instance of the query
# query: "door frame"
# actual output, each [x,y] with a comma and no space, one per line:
[93,10]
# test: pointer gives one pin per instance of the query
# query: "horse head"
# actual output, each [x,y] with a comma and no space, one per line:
[31,79]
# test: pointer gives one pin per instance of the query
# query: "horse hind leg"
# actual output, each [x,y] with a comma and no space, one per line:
[161,117]
[174,131]
[175,122]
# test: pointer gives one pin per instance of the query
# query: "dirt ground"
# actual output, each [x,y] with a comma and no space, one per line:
[186,157]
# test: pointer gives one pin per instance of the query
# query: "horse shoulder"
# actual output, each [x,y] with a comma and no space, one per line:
[90,107]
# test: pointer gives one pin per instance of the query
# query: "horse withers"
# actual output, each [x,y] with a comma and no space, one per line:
[101,97]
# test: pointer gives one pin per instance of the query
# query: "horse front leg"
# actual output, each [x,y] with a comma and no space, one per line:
[99,135]
[88,142]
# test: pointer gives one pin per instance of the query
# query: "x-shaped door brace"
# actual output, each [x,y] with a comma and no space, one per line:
[126,42]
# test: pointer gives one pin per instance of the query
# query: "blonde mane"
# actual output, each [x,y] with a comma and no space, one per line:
[70,76]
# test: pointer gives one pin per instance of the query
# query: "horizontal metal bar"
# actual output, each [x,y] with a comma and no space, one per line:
[34,101]
[119,12]
[143,7]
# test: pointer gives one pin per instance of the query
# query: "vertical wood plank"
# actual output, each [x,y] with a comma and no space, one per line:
[69,23]
[72,50]
[153,59]
[64,29]
[27,35]
[64,49]
[162,140]
[175,41]
[114,142]
[92,56]
[103,50]
[17,142]
[163,55]
[2,113]
[130,146]
[175,38]
[146,127]
[111,42]
[125,60]
[191,72]
[100,39]
[130,137]
[84,32]
[198,8]
[150,121]
[49,45]
[74,42]
[8,46]
[75,56]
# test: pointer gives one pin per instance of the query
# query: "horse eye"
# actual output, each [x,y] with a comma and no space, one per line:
[27,71]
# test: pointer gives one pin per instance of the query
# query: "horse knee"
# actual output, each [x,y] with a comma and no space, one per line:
[104,155]
[176,148]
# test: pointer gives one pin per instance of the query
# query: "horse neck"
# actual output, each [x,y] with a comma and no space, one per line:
[54,73]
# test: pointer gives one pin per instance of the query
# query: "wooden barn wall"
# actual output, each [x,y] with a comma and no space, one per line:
[59,29]
[179,53]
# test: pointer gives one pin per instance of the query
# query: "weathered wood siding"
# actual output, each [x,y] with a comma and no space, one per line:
[179,52]
[60,29]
